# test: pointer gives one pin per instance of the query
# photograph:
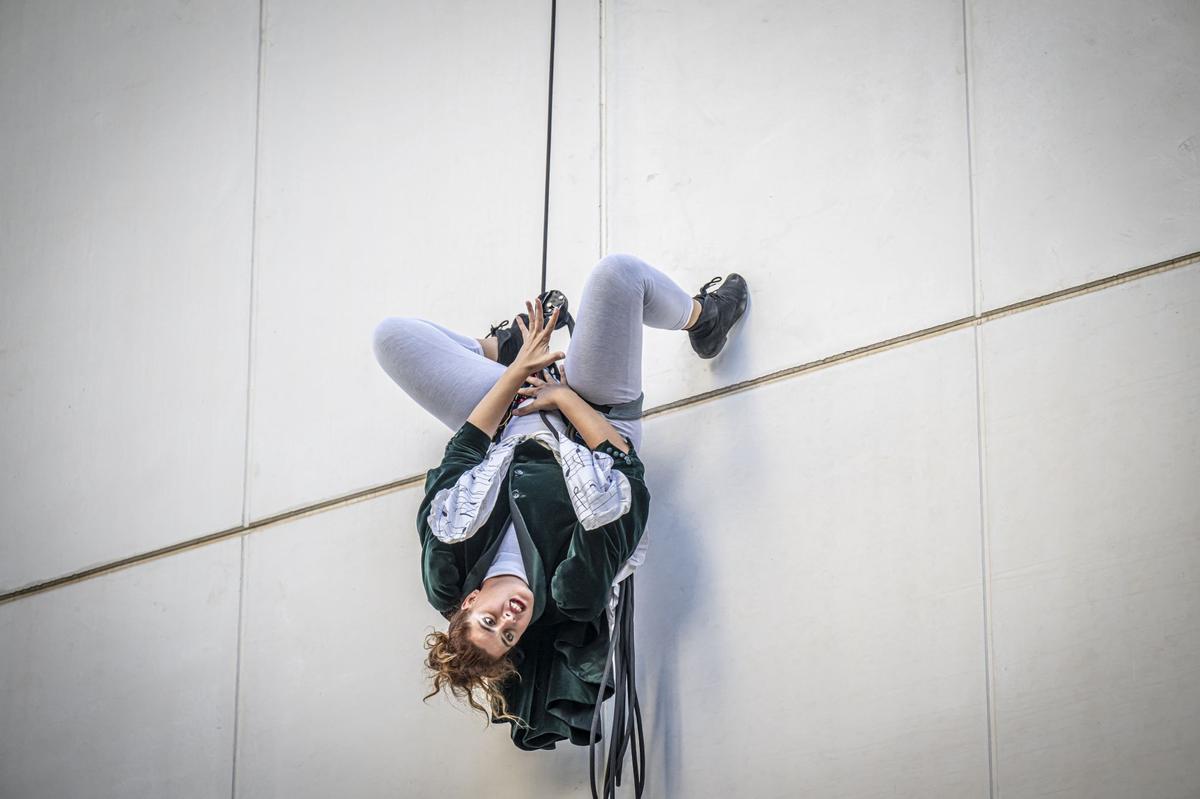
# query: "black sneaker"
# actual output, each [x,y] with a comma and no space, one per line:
[719,310]
[509,338]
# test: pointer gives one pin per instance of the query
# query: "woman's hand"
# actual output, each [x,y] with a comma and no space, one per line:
[532,357]
[535,354]
[546,392]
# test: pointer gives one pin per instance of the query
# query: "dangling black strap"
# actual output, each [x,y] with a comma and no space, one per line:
[626,725]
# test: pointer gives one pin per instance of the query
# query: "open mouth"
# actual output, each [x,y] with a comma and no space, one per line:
[517,605]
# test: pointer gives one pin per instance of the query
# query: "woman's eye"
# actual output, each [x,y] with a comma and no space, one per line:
[511,638]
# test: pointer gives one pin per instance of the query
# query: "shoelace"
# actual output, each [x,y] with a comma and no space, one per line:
[500,326]
[706,286]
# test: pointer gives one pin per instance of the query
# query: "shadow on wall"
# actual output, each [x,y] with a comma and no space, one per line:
[676,587]
[680,622]
[669,602]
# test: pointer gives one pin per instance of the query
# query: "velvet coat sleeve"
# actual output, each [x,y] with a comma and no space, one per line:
[581,583]
[440,573]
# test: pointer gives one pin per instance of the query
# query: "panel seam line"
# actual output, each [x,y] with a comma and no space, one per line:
[237,672]
[989,677]
[246,452]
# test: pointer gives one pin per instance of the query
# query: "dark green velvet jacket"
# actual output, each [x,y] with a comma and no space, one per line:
[560,657]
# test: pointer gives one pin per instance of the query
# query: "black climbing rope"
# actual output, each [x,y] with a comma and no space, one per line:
[549,128]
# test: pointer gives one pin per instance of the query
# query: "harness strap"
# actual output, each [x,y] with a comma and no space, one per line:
[624,410]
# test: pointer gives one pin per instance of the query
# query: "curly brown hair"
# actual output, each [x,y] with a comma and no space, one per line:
[457,663]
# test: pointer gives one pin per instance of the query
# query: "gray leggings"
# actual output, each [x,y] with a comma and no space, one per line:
[447,374]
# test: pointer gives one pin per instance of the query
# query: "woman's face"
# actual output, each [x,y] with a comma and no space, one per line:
[499,613]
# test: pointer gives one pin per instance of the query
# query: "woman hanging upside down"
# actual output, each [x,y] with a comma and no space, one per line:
[538,508]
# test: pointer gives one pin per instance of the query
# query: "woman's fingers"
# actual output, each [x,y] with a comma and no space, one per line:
[537,332]
[541,318]
[531,329]
[536,405]
[551,322]
[538,327]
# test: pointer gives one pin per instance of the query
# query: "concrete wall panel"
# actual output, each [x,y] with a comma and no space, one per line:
[810,613]
[125,215]
[1093,458]
[823,159]
[1086,140]
[574,234]
[402,160]
[123,686]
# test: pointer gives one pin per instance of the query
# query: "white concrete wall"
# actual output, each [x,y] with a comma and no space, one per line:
[980,549]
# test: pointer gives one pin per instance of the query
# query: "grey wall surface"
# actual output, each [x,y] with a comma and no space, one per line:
[963,563]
